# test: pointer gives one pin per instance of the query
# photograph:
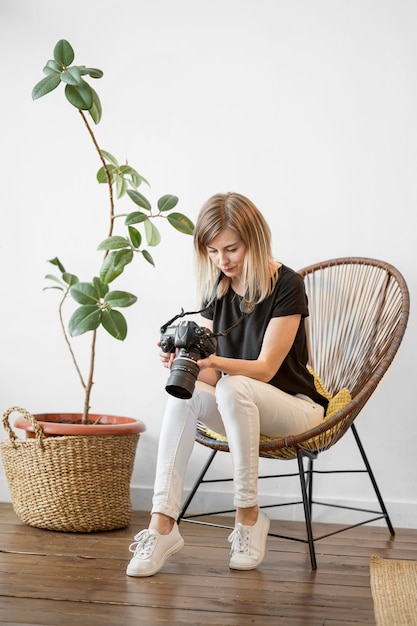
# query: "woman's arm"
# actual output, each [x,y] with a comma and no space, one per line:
[209,375]
[278,339]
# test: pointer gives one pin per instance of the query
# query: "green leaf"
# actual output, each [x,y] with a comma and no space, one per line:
[153,236]
[59,284]
[63,53]
[94,72]
[72,76]
[166,203]
[85,293]
[139,199]
[80,96]
[120,299]
[70,279]
[114,323]
[102,288]
[110,158]
[54,278]
[135,218]
[84,319]
[58,264]
[136,179]
[44,86]
[101,174]
[114,264]
[121,187]
[135,237]
[60,288]
[122,175]
[52,67]
[115,242]
[95,111]
[148,257]
[181,223]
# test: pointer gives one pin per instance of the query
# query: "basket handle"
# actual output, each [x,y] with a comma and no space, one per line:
[40,436]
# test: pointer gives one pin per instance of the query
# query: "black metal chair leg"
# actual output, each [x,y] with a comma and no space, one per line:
[310,486]
[306,510]
[372,478]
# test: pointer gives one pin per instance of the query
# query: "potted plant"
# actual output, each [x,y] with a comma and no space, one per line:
[90,438]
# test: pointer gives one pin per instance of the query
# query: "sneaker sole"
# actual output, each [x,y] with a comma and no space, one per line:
[150,572]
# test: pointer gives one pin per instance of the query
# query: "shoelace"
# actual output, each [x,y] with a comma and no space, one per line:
[144,544]
[239,538]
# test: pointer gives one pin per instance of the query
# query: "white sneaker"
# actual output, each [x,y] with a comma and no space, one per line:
[151,550]
[249,544]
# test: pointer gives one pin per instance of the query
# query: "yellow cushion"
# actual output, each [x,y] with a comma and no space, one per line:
[319,385]
[338,402]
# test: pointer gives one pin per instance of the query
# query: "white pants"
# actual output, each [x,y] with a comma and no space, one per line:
[239,407]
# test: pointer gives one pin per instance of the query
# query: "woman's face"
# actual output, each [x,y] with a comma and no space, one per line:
[227,251]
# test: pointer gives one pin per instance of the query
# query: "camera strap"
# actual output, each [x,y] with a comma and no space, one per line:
[246,307]
[184,313]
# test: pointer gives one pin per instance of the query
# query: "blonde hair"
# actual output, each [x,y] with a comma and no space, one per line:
[234,211]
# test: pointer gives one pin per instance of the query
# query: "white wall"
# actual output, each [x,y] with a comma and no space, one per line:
[306,106]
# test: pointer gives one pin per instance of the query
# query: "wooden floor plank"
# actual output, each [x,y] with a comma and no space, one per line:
[39,613]
[49,578]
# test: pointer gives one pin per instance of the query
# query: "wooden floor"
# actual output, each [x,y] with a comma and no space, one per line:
[60,579]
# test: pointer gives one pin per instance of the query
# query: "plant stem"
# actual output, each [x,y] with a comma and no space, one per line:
[61,319]
[90,381]
[106,169]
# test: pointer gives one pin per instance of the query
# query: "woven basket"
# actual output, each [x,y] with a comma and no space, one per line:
[72,483]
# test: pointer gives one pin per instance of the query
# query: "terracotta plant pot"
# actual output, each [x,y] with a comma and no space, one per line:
[58,424]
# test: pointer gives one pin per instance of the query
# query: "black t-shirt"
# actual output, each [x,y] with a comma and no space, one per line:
[245,341]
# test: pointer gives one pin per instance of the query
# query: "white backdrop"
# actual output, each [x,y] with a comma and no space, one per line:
[306,106]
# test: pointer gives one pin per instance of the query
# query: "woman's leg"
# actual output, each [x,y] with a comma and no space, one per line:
[249,407]
[176,443]
[153,546]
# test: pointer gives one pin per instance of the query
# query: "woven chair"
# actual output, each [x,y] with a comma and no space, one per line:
[358,315]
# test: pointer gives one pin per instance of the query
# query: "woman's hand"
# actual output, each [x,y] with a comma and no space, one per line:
[166,357]
[207,362]
[208,371]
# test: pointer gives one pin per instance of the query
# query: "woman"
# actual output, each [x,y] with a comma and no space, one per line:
[256,382]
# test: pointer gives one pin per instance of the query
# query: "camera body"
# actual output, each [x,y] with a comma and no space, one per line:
[193,342]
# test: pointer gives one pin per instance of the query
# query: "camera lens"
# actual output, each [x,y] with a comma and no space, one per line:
[181,381]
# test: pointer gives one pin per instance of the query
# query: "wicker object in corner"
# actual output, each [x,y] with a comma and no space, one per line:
[70,483]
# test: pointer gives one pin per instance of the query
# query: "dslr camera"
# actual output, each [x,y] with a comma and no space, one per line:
[193,342]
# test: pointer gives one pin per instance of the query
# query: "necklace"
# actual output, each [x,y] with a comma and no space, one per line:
[246,306]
